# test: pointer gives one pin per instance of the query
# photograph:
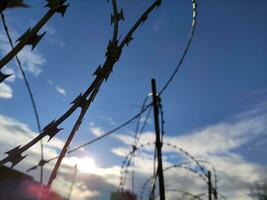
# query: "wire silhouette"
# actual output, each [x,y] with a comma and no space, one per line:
[35,110]
[193,196]
[51,129]
[92,141]
[102,73]
[31,37]
[188,44]
[182,165]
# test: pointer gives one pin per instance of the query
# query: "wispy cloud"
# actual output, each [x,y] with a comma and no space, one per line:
[61,90]
[97,131]
[58,88]
[5,91]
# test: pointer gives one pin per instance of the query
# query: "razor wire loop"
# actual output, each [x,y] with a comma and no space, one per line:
[31,36]
[112,55]
[127,161]
[180,166]
[129,37]
[188,155]
[137,136]
[193,196]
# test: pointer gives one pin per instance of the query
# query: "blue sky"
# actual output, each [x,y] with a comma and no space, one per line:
[222,81]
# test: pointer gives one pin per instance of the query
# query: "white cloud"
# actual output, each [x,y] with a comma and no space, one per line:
[58,88]
[31,60]
[61,90]
[97,131]
[215,143]
[14,133]
[5,91]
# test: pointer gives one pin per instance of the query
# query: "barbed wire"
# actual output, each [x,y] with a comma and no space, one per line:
[193,196]
[31,37]
[34,106]
[92,141]
[53,125]
[125,164]
[102,73]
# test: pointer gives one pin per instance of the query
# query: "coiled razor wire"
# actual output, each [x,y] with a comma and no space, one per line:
[51,129]
[193,196]
[127,161]
[180,166]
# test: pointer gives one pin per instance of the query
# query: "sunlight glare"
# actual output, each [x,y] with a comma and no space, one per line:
[84,165]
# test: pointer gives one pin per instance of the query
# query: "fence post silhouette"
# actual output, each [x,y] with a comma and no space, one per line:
[158,139]
[73,181]
[209,185]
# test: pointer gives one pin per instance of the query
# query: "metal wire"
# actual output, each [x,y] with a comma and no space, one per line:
[35,110]
[188,44]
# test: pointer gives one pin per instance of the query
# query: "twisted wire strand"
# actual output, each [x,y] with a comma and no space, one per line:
[136,138]
[34,106]
[129,157]
[139,121]
[127,161]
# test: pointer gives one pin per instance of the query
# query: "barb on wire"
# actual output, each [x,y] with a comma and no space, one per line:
[127,162]
[187,154]
[3,76]
[129,36]
[35,110]
[31,36]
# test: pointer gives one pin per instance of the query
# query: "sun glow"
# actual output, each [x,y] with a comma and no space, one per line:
[84,165]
